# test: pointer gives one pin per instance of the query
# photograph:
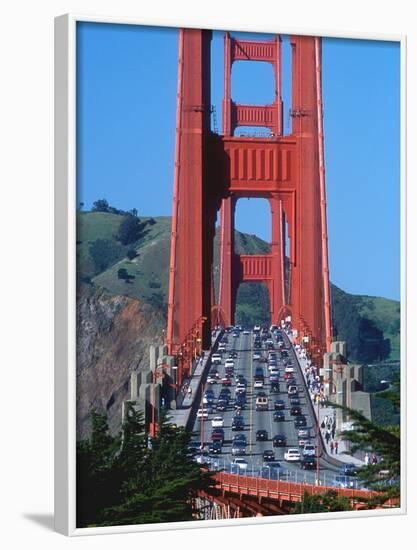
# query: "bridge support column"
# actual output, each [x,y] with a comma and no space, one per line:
[277,283]
[227,286]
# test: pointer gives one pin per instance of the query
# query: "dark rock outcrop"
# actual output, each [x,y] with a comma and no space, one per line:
[113,338]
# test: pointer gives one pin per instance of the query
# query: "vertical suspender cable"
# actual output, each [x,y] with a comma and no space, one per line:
[327,318]
[172,264]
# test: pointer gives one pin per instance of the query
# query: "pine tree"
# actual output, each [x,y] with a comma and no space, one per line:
[94,465]
[326,502]
[383,441]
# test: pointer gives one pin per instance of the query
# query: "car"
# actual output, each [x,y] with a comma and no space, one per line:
[345,482]
[272,470]
[256,355]
[202,413]
[239,437]
[217,434]
[268,455]
[211,379]
[241,463]
[309,450]
[229,371]
[261,435]
[274,387]
[292,390]
[233,354]
[258,384]
[225,392]
[308,463]
[221,405]
[202,458]
[257,328]
[274,378]
[279,405]
[194,447]
[229,363]
[279,416]
[236,334]
[261,403]
[294,401]
[225,381]
[279,440]
[238,448]
[208,399]
[240,401]
[300,421]
[295,410]
[292,455]
[238,423]
[240,389]
[215,447]
[246,332]
[216,359]
[302,441]
[217,422]
[348,469]
[289,377]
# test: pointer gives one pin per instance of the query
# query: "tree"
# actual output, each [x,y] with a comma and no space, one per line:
[94,465]
[131,254]
[157,484]
[122,273]
[130,229]
[384,442]
[100,206]
[104,253]
[326,502]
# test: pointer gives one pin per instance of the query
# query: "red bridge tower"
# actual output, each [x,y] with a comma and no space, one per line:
[212,172]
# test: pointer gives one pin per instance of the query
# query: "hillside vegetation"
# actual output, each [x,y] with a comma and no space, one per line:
[370,325]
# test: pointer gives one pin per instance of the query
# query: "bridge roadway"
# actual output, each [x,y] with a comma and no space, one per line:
[256,420]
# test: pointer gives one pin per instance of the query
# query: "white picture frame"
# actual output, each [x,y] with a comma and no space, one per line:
[65,287]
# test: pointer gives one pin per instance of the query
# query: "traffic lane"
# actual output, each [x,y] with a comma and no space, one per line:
[230,413]
[311,417]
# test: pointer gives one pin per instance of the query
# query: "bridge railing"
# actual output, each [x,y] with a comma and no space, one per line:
[285,490]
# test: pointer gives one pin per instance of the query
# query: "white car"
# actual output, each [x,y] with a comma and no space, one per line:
[217,422]
[203,458]
[229,363]
[256,355]
[241,463]
[258,384]
[289,368]
[246,332]
[292,455]
[273,370]
[202,413]
[309,450]
[216,359]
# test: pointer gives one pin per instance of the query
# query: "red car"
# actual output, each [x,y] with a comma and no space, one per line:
[226,381]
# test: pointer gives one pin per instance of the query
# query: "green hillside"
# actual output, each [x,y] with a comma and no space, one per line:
[370,325]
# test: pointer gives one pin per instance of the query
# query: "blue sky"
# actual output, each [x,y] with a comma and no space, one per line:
[126,101]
